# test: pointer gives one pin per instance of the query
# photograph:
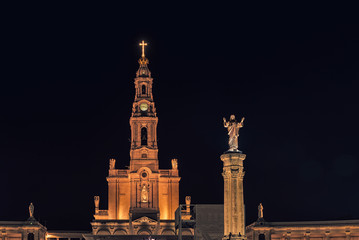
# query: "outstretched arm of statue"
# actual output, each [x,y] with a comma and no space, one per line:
[225,123]
[241,123]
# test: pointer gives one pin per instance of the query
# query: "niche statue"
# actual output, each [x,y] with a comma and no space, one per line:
[233,128]
[144,194]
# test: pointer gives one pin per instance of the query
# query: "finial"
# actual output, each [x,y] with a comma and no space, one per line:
[174,164]
[112,163]
[143,71]
[97,203]
[188,200]
[260,211]
[143,44]
[188,203]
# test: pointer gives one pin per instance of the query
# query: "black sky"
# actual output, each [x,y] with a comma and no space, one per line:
[67,90]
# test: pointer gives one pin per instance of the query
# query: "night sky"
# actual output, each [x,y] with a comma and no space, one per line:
[67,90]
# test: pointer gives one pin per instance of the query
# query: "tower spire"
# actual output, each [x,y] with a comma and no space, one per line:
[143,44]
[143,120]
[143,70]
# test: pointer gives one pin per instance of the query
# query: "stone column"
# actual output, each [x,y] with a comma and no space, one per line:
[234,223]
[112,198]
[130,227]
[267,235]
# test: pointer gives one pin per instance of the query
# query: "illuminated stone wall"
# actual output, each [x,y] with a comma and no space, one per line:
[22,230]
[126,187]
[316,230]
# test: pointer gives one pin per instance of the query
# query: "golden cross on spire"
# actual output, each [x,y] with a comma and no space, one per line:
[143,44]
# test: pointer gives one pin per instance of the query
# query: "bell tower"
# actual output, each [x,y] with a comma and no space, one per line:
[142,199]
[143,121]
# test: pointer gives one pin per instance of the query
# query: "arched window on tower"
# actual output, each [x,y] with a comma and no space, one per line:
[143,136]
[143,89]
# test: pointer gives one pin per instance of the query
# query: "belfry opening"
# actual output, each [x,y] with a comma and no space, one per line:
[144,136]
[143,89]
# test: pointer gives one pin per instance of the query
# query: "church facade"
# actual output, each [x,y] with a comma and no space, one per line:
[143,198]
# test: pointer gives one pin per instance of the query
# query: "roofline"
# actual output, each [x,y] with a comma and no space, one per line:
[305,223]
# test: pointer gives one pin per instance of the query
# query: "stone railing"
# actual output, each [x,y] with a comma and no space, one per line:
[102,212]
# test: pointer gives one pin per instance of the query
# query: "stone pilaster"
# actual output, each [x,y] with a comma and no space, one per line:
[234,223]
[347,234]
[268,235]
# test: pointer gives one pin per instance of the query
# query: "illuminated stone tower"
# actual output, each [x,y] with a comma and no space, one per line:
[233,174]
[144,150]
[143,198]
[234,222]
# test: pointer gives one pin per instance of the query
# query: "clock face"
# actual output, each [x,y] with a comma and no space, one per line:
[143,106]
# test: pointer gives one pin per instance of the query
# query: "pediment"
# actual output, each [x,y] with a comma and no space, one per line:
[144,220]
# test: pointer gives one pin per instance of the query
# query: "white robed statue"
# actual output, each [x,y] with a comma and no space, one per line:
[233,128]
[144,194]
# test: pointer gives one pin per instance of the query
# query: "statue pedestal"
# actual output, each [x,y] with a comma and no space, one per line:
[234,223]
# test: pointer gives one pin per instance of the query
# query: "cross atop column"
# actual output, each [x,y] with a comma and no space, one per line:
[143,44]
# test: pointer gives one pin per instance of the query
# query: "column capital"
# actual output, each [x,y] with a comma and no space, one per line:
[233,173]
[233,157]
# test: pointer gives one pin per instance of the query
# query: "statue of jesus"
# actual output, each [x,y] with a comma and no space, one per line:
[233,127]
